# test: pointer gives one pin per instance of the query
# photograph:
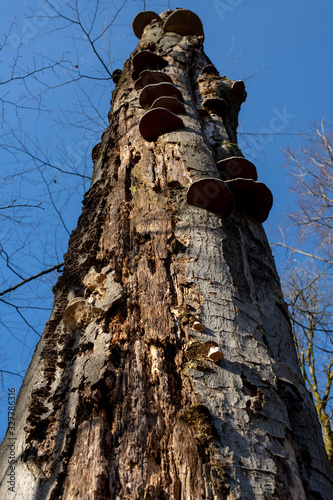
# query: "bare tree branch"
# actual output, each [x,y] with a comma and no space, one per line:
[42,273]
[297,250]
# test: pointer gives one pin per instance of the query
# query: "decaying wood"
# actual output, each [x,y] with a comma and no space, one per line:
[127,405]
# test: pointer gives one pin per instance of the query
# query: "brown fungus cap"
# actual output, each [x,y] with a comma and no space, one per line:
[170,103]
[236,167]
[216,105]
[252,198]
[209,69]
[184,22]
[116,75]
[203,113]
[211,194]
[142,20]
[238,87]
[159,121]
[147,60]
[95,152]
[149,77]
[77,313]
[150,93]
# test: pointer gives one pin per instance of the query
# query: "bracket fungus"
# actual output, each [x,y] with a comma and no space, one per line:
[187,316]
[159,121]
[184,22]
[142,20]
[149,77]
[78,312]
[197,326]
[95,151]
[195,349]
[203,113]
[116,76]
[216,105]
[211,194]
[252,198]
[170,103]
[95,282]
[209,69]
[238,87]
[236,167]
[214,353]
[147,60]
[150,93]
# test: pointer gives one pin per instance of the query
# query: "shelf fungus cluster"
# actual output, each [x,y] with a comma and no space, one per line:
[102,290]
[162,99]
[181,21]
[196,350]
[239,188]
[187,316]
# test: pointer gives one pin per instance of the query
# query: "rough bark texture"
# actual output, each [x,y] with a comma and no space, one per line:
[126,405]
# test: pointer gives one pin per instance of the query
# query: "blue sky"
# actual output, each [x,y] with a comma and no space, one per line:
[282,51]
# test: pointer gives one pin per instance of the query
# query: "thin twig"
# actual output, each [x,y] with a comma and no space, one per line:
[47,271]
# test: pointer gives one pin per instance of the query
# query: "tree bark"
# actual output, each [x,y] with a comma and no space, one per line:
[120,400]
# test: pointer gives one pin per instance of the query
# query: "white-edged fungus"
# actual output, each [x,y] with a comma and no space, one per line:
[95,282]
[236,167]
[149,76]
[78,312]
[170,103]
[197,326]
[150,93]
[214,354]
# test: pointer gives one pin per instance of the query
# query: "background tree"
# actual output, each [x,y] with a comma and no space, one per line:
[309,295]
[308,274]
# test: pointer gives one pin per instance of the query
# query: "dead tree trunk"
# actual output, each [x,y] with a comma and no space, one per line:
[127,395]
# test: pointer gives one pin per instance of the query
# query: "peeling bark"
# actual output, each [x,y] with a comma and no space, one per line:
[126,404]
